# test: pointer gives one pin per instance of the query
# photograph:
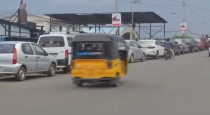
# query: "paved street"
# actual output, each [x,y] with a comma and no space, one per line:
[155,87]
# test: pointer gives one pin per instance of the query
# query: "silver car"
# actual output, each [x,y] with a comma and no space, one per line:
[21,58]
[135,52]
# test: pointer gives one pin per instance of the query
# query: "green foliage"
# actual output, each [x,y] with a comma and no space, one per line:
[178,37]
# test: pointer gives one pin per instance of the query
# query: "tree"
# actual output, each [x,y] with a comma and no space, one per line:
[178,37]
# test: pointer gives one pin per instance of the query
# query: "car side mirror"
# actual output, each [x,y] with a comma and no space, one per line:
[139,46]
[46,54]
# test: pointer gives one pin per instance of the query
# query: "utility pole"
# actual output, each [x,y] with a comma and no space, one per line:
[132,3]
[116,10]
[184,17]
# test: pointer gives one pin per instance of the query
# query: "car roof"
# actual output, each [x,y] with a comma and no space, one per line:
[15,42]
[147,40]
[129,40]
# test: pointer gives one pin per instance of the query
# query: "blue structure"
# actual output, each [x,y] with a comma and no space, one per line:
[1,39]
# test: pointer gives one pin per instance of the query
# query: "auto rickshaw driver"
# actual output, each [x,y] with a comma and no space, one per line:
[97,58]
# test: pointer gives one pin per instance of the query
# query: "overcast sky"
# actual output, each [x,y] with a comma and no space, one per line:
[194,15]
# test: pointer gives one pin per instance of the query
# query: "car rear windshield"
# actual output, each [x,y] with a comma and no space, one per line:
[51,41]
[7,48]
[178,40]
[89,50]
[197,39]
[145,42]
[188,40]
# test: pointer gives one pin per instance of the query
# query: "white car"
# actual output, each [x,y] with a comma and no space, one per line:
[58,44]
[152,48]
[135,52]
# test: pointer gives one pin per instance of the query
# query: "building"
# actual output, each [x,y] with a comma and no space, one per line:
[42,20]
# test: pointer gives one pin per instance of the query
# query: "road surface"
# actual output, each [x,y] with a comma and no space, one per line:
[155,87]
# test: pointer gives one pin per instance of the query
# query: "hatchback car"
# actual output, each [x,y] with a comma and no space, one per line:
[183,45]
[21,58]
[176,46]
[135,52]
[152,48]
[193,46]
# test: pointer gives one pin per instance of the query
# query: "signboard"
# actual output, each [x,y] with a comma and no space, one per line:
[116,19]
[22,13]
[184,26]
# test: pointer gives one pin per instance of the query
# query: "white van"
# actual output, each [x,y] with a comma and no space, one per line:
[58,44]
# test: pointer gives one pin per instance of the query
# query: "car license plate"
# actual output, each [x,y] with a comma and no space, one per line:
[1,68]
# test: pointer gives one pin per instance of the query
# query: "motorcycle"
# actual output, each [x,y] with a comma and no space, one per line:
[167,54]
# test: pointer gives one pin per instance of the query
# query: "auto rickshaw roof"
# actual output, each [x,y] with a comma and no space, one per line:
[96,37]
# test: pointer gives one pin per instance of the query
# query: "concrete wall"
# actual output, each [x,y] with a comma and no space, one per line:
[16,31]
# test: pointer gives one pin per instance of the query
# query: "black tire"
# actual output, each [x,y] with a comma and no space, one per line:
[79,84]
[131,59]
[192,50]
[143,58]
[157,55]
[21,74]
[179,52]
[115,82]
[52,70]
[66,70]
[209,54]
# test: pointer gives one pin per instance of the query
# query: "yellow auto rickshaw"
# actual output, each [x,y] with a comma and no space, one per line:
[99,57]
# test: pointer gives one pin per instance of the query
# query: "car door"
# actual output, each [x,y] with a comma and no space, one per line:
[28,58]
[43,63]
[160,47]
[138,49]
[185,45]
[175,44]
[133,49]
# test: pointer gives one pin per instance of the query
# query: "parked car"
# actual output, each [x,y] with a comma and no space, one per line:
[183,45]
[176,47]
[192,45]
[200,44]
[135,52]
[152,48]
[58,44]
[21,58]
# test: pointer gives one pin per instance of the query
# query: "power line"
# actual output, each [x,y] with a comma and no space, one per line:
[151,4]
[196,13]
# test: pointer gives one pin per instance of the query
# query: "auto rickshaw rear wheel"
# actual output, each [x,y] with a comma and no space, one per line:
[79,83]
[115,82]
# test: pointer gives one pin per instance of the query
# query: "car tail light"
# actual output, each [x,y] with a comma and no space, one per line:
[129,48]
[67,53]
[14,59]
[151,47]
[109,64]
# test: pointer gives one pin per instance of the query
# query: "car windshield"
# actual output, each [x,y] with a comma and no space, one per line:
[7,48]
[178,40]
[145,43]
[197,39]
[187,40]
[51,41]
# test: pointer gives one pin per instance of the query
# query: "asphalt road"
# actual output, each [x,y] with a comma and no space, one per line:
[155,87]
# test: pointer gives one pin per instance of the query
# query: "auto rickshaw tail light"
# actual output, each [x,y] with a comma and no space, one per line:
[109,64]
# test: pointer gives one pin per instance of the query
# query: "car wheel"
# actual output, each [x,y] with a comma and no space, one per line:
[209,54]
[115,82]
[79,84]
[179,53]
[52,70]
[21,75]
[131,58]
[157,55]
[66,69]
[143,58]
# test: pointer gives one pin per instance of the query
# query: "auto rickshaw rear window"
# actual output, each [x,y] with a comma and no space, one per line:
[90,50]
